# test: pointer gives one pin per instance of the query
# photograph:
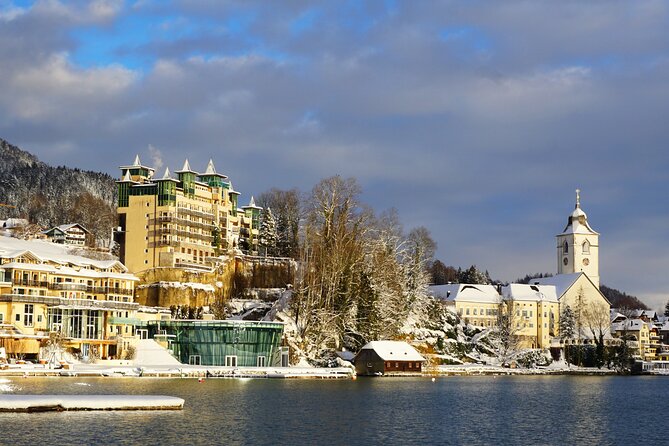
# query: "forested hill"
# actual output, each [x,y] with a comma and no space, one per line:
[620,299]
[51,196]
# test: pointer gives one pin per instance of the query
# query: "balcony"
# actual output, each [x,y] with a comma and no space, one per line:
[69,286]
[69,302]
[32,283]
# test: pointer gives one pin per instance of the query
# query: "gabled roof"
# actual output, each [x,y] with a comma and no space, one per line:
[45,251]
[530,292]
[69,226]
[393,351]
[465,292]
[564,282]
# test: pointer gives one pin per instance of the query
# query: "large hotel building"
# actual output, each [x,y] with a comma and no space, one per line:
[185,221]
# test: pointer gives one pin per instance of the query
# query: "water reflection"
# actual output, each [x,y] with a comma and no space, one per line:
[454,410]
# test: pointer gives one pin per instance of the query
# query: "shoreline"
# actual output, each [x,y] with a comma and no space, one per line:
[338,373]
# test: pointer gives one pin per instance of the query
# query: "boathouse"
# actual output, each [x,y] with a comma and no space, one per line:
[382,357]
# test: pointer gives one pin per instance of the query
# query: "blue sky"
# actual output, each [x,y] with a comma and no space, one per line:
[475,119]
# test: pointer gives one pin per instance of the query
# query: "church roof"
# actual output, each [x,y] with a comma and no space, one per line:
[578,220]
[563,282]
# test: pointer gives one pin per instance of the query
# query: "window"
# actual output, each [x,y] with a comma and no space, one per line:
[586,247]
[18,317]
[28,315]
[261,361]
[475,311]
[566,247]
[467,311]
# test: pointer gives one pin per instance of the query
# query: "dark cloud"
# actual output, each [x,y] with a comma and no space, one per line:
[475,119]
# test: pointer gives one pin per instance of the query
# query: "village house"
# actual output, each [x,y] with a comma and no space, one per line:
[70,234]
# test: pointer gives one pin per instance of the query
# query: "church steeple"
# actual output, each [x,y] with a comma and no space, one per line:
[578,245]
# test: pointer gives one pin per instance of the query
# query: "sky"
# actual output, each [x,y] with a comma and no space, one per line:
[476,119]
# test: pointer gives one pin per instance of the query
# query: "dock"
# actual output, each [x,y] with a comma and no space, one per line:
[47,403]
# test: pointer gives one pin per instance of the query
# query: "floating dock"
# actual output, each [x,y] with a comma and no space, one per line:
[46,403]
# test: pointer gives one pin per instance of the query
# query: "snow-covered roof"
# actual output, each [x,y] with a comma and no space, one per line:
[465,292]
[211,170]
[14,223]
[186,168]
[394,351]
[578,220]
[252,204]
[137,164]
[69,226]
[561,282]
[530,292]
[629,325]
[44,251]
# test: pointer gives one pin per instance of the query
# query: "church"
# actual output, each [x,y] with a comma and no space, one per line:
[577,280]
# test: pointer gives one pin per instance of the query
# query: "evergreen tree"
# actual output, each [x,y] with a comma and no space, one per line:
[267,236]
[666,309]
[474,276]
[567,324]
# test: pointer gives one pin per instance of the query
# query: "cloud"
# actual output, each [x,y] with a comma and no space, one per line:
[156,157]
[477,120]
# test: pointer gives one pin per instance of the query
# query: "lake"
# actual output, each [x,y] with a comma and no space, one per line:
[532,410]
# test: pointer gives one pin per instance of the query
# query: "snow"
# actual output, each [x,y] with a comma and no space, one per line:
[534,293]
[88,402]
[42,250]
[394,351]
[465,292]
[181,285]
[150,353]
[561,282]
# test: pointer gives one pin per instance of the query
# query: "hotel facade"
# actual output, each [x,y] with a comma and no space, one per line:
[185,221]
[44,290]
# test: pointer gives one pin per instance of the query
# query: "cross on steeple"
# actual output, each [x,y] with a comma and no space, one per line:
[578,198]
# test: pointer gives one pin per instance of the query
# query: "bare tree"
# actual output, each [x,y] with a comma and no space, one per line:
[332,255]
[597,319]
[507,329]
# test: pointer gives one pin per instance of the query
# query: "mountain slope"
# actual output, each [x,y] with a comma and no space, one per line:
[50,196]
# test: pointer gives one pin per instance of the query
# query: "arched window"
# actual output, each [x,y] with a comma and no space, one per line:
[586,247]
[566,247]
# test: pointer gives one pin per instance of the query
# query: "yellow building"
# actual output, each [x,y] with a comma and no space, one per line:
[185,221]
[533,309]
[44,289]
[641,335]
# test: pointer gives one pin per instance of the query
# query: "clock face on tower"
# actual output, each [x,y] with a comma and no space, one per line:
[565,261]
[586,262]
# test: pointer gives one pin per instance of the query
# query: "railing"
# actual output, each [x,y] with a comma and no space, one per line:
[69,286]
[54,300]
[28,282]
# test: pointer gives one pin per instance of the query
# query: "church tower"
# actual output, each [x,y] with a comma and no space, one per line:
[578,245]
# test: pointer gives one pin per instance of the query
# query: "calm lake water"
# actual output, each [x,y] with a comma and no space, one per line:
[533,410]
